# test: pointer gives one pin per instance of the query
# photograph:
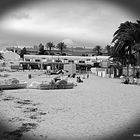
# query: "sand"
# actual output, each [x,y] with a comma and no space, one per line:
[96,108]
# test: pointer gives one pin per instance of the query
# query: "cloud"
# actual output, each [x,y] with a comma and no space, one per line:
[6,5]
[21,15]
[92,21]
[132,5]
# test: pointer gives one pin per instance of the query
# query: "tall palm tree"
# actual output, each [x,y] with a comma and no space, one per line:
[61,46]
[136,48]
[23,52]
[127,35]
[41,49]
[97,49]
[50,45]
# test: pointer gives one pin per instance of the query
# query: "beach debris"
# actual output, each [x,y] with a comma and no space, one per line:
[15,135]
[8,98]
[34,117]
[35,104]
[42,113]
[18,133]
[30,109]
[15,119]
[24,102]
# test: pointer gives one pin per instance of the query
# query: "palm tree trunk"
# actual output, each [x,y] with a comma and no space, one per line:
[50,51]
[138,64]
[128,70]
[129,58]
[134,70]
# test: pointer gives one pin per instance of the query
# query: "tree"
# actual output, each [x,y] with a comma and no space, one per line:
[124,39]
[137,52]
[23,52]
[108,48]
[98,50]
[41,49]
[61,46]
[1,56]
[50,45]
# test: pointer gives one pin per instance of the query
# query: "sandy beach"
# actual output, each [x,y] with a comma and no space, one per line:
[95,109]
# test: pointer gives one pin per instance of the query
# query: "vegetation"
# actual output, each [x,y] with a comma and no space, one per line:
[49,46]
[126,43]
[98,50]
[1,57]
[108,48]
[23,52]
[61,46]
[41,49]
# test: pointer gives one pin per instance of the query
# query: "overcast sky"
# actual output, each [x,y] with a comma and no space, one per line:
[91,22]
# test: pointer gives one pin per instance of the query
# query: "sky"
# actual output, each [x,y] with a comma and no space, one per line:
[83,23]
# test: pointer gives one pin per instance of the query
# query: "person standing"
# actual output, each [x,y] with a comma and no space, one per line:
[137,74]
[87,75]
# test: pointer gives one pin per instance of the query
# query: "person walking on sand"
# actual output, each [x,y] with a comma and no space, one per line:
[87,75]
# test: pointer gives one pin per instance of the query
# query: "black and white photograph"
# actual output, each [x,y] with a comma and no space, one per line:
[69,69]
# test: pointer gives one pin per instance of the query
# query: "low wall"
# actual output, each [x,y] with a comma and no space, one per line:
[102,72]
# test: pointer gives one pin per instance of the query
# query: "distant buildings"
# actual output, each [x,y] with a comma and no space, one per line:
[81,62]
[10,57]
[29,50]
[78,51]
[83,58]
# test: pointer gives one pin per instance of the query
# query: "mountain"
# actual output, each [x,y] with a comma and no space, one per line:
[77,44]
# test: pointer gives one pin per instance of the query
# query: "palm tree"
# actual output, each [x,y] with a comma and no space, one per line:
[23,52]
[97,49]
[41,49]
[50,45]
[124,39]
[1,56]
[61,46]
[137,52]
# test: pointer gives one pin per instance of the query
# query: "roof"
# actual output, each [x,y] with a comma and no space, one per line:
[68,57]
[10,56]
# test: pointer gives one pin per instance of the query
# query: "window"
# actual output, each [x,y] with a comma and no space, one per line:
[81,61]
[37,60]
[88,59]
[27,59]
[58,61]
[71,61]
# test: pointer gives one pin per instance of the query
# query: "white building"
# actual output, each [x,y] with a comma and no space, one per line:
[65,59]
[10,57]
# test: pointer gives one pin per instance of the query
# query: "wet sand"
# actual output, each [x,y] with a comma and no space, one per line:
[93,109]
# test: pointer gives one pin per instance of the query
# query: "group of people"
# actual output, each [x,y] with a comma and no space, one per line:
[131,79]
[79,80]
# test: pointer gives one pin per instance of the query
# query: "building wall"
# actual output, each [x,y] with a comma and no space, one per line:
[65,59]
